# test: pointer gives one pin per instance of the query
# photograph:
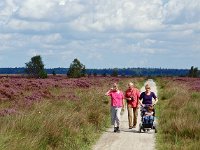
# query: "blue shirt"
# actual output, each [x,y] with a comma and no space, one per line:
[147,99]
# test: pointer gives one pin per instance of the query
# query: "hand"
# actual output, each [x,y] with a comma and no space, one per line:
[129,99]
[132,98]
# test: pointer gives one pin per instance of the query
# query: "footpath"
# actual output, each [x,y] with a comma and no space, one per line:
[128,139]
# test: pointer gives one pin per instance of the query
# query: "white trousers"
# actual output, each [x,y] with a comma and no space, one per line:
[115,115]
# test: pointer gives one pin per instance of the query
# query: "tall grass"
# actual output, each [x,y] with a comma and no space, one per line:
[72,124]
[179,117]
[56,124]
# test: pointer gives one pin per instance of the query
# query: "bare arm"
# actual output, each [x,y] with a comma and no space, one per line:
[108,92]
[155,100]
[140,101]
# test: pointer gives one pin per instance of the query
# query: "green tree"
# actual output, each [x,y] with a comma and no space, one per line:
[104,74]
[54,73]
[190,74]
[76,69]
[115,72]
[94,74]
[193,72]
[35,68]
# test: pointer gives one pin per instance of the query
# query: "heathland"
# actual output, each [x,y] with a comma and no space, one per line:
[62,113]
[178,114]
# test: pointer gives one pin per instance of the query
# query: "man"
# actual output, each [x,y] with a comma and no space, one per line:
[132,95]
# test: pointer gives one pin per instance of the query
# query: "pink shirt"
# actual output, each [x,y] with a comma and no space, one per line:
[116,98]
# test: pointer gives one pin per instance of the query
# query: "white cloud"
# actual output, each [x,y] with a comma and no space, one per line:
[7,9]
[34,52]
[21,25]
[119,15]
[50,10]
[182,11]
[94,55]
[93,29]
[66,55]
[51,38]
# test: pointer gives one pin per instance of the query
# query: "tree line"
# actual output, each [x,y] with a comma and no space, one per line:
[35,68]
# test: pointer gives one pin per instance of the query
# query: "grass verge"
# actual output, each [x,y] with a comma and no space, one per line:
[179,117]
[73,123]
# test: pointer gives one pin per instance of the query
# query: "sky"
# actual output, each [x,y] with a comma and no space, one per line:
[101,33]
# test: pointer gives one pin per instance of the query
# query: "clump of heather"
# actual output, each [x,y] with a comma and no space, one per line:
[54,113]
[192,83]
[24,92]
[7,111]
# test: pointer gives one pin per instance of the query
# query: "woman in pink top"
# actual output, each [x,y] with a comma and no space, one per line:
[117,102]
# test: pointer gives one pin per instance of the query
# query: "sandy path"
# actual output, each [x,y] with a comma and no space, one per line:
[128,139]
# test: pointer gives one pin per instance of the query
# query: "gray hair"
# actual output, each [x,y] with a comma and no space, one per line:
[130,84]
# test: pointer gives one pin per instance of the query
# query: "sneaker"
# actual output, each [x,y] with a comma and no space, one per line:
[118,129]
[115,129]
[134,126]
[130,127]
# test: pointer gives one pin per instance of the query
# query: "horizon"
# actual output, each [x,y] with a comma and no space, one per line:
[108,68]
[101,34]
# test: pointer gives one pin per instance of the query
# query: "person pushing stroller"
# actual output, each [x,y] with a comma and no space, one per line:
[146,98]
[147,110]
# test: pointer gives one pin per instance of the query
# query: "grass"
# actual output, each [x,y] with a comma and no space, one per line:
[179,117]
[56,124]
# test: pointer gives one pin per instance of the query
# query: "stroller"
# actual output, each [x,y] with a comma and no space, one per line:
[147,122]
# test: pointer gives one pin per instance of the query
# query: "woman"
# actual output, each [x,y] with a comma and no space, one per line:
[117,102]
[146,98]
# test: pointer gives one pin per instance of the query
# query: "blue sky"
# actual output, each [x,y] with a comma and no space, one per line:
[101,33]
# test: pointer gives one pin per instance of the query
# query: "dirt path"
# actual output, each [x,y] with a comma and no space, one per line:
[128,139]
